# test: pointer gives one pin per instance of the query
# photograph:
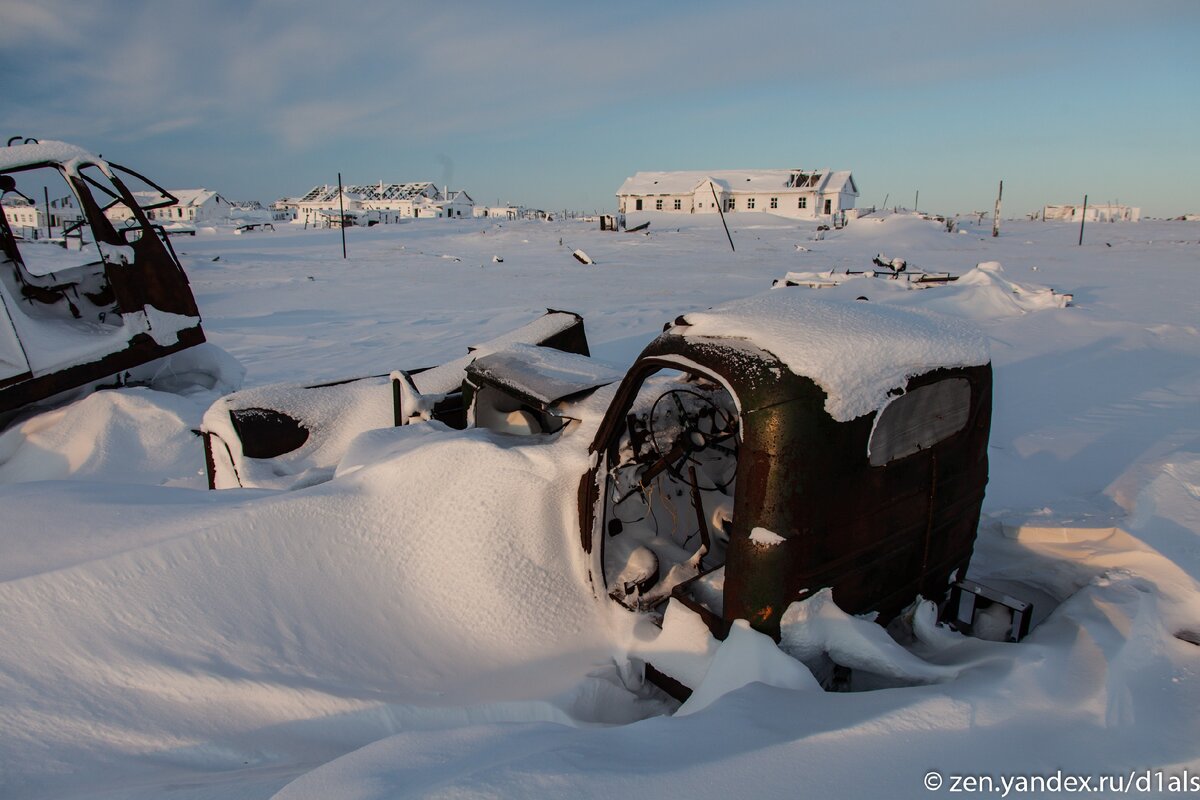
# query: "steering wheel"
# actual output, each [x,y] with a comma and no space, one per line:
[687,427]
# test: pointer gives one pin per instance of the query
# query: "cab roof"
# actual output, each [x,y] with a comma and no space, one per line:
[857,352]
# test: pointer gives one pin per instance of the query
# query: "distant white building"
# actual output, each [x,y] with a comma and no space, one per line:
[1101,212]
[497,212]
[456,205]
[377,202]
[801,194]
[22,214]
[191,207]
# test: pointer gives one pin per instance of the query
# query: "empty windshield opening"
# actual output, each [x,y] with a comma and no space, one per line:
[670,486]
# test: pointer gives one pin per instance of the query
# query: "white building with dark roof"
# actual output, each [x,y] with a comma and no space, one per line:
[800,194]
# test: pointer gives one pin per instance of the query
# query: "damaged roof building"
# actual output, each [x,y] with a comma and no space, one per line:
[795,193]
[384,202]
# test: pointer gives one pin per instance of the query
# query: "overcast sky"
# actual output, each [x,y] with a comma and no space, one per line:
[554,104]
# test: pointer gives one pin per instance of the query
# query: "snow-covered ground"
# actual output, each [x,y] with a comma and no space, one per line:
[417,632]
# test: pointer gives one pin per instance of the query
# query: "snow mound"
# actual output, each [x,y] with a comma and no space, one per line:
[995,294]
[446,566]
[196,370]
[683,649]
[747,656]
[816,627]
[134,435]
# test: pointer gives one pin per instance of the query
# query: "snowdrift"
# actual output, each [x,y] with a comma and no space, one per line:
[353,640]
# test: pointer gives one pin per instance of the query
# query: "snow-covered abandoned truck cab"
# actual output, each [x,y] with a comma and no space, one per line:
[82,298]
[764,450]
[283,436]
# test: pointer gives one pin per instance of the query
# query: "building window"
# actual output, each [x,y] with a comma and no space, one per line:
[750,203]
[658,205]
[637,204]
[803,203]
[774,202]
[729,204]
[678,204]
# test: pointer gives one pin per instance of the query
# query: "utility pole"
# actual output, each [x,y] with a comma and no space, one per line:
[917,202]
[1082,219]
[46,200]
[341,215]
[996,215]
[721,211]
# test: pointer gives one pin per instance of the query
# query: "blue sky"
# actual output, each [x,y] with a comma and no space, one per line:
[554,104]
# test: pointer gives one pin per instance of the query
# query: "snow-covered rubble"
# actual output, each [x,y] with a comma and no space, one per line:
[423,623]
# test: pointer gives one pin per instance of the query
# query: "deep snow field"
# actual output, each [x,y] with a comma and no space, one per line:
[427,630]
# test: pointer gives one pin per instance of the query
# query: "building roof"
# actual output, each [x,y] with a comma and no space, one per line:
[185,197]
[739,180]
[371,191]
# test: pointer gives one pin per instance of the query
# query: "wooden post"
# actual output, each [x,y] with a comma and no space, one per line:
[46,200]
[996,214]
[721,211]
[342,215]
[1082,219]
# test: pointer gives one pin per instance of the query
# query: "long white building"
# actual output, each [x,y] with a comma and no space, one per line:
[801,194]
[1099,212]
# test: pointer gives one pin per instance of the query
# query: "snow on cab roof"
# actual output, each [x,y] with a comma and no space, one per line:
[24,155]
[856,351]
[764,180]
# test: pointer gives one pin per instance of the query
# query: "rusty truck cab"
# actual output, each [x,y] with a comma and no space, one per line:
[729,480]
